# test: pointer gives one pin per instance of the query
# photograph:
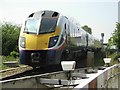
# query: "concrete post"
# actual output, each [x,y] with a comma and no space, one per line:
[119,82]
[119,11]
[90,59]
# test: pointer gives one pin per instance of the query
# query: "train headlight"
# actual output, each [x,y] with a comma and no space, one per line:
[53,41]
[22,42]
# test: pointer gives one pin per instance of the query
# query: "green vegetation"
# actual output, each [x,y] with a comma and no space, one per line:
[115,57]
[116,36]
[10,33]
[14,54]
[87,29]
[115,39]
[113,49]
[7,59]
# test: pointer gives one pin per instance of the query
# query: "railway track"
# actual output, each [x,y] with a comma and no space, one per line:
[77,78]
[13,71]
[31,72]
[28,71]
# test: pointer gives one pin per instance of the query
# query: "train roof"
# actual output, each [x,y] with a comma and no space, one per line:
[44,13]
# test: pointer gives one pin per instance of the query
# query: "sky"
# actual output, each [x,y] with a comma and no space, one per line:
[100,15]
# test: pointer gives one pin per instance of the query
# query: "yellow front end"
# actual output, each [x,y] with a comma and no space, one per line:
[39,42]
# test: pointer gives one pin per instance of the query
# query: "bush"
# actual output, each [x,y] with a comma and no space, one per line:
[10,34]
[114,56]
[14,54]
[7,58]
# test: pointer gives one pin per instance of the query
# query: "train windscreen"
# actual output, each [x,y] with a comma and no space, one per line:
[31,26]
[47,25]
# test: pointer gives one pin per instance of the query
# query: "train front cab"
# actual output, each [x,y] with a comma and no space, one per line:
[40,43]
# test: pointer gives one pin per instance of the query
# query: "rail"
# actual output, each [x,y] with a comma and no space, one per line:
[13,71]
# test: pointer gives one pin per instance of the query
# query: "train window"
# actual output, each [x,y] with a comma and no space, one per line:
[31,26]
[31,15]
[50,14]
[47,25]
[55,14]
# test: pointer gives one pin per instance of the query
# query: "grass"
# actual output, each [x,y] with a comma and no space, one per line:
[114,58]
[6,59]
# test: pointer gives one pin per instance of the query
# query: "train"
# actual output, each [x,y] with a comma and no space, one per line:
[48,37]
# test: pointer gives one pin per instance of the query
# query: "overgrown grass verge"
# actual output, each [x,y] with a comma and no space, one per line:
[114,58]
[7,59]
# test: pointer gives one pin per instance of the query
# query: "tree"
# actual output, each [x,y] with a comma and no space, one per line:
[87,29]
[10,34]
[116,36]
